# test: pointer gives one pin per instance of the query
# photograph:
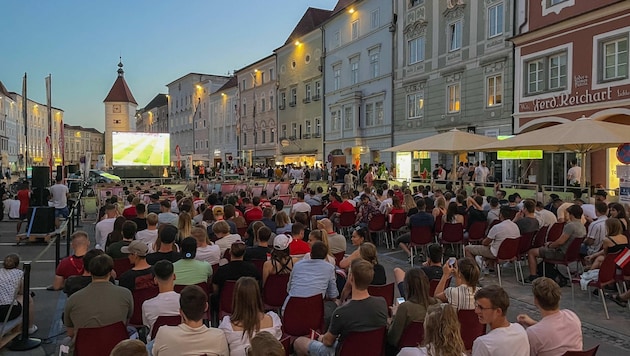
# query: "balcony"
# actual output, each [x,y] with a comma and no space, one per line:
[316,97]
[306,100]
[292,104]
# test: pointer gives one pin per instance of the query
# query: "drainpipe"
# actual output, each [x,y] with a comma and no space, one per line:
[322,63]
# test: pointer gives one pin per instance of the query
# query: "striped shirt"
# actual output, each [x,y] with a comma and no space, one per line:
[461,297]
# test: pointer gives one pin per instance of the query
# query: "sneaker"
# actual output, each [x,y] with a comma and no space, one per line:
[531,278]
[33,329]
[507,264]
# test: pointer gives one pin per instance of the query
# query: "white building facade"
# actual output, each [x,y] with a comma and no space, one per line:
[222,124]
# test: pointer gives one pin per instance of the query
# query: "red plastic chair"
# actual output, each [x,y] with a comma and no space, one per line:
[541,235]
[412,336]
[386,291]
[494,222]
[363,343]
[139,296]
[203,285]
[303,314]
[121,265]
[170,320]
[317,210]
[270,189]
[346,221]
[470,327]
[453,234]
[421,236]
[225,299]
[607,272]
[338,257]
[572,255]
[242,231]
[554,232]
[477,232]
[437,227]
[258,264]
[331,211]
[377,225]
[591,352]
[525,244]
[434,283]
[275,291]
[398,221]
[286,344]
[99,341]
[508,251]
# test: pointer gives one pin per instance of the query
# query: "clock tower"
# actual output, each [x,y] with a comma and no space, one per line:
[120,111]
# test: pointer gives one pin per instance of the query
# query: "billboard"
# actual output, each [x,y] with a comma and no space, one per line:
[518,154]
[140,149]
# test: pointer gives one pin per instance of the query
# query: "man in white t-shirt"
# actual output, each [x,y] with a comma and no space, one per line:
[150,234]
[597,231]
[545,217]
[489,247]
[504,338]
[205,252]
[558,331]
[59,198]
[166,303]
[481,172]
[105,226]
[574,174]
[300,206]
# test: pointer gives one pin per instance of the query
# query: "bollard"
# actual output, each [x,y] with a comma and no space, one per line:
[57,250]
[24,342]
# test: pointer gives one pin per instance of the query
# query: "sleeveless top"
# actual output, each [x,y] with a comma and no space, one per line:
[284,266]
[617,247]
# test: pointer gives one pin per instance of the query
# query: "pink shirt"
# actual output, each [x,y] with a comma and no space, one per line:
[555,334]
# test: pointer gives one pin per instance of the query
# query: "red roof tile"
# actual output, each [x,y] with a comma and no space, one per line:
[311,20]
[120,92]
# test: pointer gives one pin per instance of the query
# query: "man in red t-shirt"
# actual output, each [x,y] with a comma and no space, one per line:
[298,247]
[24,196]
[72,265]
[252,211]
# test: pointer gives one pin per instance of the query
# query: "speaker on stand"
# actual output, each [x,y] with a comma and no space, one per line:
[40,182]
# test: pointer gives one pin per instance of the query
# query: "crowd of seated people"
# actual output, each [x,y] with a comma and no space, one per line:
[203,247]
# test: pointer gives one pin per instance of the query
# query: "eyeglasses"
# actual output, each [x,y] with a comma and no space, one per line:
[477,306]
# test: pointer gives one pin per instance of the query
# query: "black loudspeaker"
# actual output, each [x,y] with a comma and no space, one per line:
[42,221]
[41,177]
[40,196]
[59,174]
[73,168]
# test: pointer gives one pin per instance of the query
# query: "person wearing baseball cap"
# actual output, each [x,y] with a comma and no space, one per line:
[281,261]
[141,274]
[601,195]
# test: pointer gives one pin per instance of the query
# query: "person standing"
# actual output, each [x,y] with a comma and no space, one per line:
[59,193]
[574,175]
[24,196]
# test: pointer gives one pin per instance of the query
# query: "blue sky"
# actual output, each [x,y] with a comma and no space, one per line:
[79,42]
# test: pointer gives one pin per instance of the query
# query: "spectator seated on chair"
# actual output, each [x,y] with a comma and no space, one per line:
[414,308]
[129,229]
[248,317]
[283,223]
[526,217]
[298,247]
[72,265]
[191,337]
[313,199]
[475,211]
[556,250]
[336,242]
[268,220]
[596,231]
[76,283]
[466,274]
[11,293]
[225,239]
[100,303]
[261,250]
[363,312]
[253,212]
[166,303]
[150,234]
[421,218]
[265,344]
[140,276]
[441,334]
[559,330]
[233,270]
[320,235]
[489,247]
[615,242]
[504,338]
[367,252]
[300,206]
[359,236]
[166,216]
[165,246]
[206,250]
[188,269]
[546,217]
[280,261]
[432,268]
[367,210]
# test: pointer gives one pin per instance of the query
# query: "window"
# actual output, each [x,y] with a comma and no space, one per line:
[271,74]
[378,112]
[334,120]
[255,137]
[413,3]
[547,73]
[318,126]
[318,90]
[558,71]
[354,70]
[535,74]
[293,96]
[455,36]
[262,77]
[283,100]
[347,118]
[245,139]
[244,109]
[272,138]
[336,39]
[415,105]
[307,92]
[615,59]
[244,85]
[415,47]
[294,130]
[494,93]
[495,20]
[374,70]
[270,102]
[555,2]
[284,130]
[264,136]
[263,104]
[308,127]
[354,29]
[337,77]
[369,114]
[374,19]
[454,97]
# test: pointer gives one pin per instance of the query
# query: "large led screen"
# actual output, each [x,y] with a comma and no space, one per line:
[140,149]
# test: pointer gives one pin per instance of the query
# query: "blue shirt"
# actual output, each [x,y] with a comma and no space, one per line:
[421,219]
[311,277]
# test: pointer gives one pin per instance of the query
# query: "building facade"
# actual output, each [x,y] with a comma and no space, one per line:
[185,96]
[358,88]
[78,140]
[257,111]
[454,69]
[571,61]
[154,116]
[222,124]
[301,92]
[120,112]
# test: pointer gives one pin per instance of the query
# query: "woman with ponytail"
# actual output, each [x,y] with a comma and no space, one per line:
[442,335]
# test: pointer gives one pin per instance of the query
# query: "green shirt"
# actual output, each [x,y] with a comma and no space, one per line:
[190,271]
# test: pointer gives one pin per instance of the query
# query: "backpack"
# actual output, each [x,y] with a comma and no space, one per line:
[551,271]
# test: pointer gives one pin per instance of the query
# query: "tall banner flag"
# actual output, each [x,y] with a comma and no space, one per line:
[25,122]
[49,138]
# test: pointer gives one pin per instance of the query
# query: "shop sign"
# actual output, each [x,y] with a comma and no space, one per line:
[568,99]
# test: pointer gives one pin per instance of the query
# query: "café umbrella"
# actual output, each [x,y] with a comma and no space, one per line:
[453,142]
[582,136]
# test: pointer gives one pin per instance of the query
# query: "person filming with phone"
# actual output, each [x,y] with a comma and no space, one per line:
[466,274]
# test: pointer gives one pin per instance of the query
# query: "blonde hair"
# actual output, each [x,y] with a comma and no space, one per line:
[201,235]
[282,219]
[265,344]
[440,202]
[442,336]
[184,226]
[321,235]
[409,203]
[367,251]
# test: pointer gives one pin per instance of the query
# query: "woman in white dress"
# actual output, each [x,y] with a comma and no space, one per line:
[248,317]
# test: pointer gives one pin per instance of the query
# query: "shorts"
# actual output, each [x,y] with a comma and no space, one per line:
[317,348]
[63,212]
[16,311]
[404,238]
[550,253]
[480,250]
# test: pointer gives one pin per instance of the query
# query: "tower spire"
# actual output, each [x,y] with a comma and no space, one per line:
[121,72]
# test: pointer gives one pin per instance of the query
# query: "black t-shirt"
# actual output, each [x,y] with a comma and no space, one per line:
[233,271]
[433,272]
[359,315]
[256,253]
[140,279]
[141,223]
[412,211]
[172,256]
[475,215]
[379,278]
[75,283]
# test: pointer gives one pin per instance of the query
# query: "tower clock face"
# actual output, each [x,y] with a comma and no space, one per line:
[116,108]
